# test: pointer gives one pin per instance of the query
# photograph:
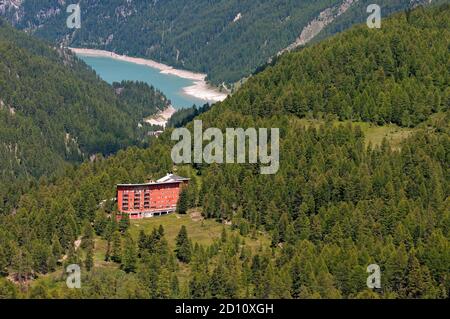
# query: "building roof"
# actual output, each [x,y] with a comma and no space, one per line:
[172,178]
[168,179]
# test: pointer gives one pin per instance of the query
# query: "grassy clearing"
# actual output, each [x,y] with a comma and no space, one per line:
[374,134]
[202,232]
[393,133]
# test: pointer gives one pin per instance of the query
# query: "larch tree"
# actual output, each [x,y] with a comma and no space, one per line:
[183,246]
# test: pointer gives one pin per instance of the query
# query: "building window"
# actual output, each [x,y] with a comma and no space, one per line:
[125,202]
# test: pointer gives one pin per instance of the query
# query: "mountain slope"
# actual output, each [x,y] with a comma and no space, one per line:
[53,109]
[337,204]
[393,75]
[357,13]
[227,39]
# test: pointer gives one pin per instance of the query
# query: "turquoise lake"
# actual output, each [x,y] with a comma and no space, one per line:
[112,70]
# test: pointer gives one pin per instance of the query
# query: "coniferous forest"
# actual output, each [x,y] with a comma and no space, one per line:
[364,177]
[54,110]
[227,39]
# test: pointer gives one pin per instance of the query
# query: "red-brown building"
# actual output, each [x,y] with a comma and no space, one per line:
[150,199]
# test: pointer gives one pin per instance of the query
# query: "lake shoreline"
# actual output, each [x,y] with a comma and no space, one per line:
[162,117]
[200,89]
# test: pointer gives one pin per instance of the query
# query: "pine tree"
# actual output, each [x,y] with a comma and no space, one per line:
[302,226]
[183,202]
[217,283]
[282,227]
[100,222]
[417,282]
[108,251]
[183,246]
[164,284]
[129,256]
[142,242]
[111,227]
[265,284]
[72,256]
[297,280]
[275,237]
[89,261]
[116,247]
[199,285]
[174,286]
[21,264]
[161,231]
[223,235]
[88,236]
[91,205]
[124,223]
[57,249]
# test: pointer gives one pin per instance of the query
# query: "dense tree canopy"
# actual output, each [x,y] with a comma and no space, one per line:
[338,203]
[227,39]
[396,74]
[54,109]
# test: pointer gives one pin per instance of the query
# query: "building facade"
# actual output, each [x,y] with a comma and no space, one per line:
[150,199]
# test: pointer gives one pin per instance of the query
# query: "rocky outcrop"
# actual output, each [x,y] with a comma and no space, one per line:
[10,5]
[125,10]
[326,17]
[415,3]
[12,10]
